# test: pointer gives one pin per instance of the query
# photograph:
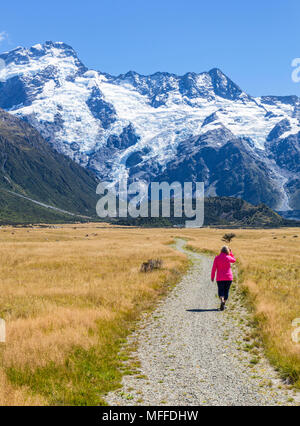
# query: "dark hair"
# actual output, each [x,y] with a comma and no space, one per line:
[225,249]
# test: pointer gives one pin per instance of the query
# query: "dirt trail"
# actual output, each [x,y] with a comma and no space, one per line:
[193,354]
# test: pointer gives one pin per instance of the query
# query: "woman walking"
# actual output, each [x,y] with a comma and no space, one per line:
[222,265]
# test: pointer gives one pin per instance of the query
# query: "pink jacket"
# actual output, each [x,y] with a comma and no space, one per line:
[222,264]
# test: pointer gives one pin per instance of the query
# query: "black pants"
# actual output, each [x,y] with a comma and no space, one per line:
[223,288]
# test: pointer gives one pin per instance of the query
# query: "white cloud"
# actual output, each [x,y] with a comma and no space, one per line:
[3,36]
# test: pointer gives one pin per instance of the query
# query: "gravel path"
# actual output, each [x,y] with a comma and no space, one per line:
[192,354]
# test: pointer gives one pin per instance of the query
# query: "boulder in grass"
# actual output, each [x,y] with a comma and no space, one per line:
[151,265]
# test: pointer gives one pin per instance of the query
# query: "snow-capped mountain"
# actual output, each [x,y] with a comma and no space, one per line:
[162,126]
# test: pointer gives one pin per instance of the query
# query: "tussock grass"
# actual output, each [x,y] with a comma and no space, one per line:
[17,395]
[71,294]
[70,297]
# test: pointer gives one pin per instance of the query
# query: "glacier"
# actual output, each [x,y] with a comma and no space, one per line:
[106,122]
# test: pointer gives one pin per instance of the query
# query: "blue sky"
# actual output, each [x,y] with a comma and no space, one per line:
[253,42]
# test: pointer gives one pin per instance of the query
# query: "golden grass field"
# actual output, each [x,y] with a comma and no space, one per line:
[70,295]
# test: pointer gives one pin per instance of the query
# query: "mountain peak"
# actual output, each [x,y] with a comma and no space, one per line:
[22,55]
[57,44]
[55,48]
[216,71]
[56,56]
[224,86]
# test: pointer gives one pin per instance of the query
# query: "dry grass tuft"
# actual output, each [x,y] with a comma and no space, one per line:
[17,396]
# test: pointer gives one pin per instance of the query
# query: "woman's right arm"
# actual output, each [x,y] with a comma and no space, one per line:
[231,257]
